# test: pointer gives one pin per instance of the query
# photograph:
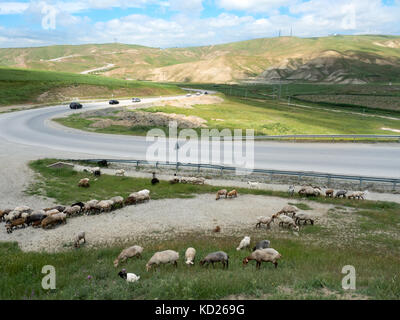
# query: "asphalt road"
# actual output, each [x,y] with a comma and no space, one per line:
[34,128]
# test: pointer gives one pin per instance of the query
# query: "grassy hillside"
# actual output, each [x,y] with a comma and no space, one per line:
[345,59]
[19,86]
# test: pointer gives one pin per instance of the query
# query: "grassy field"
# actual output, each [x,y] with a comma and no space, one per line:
[19,86]
[266,116]
[366,237]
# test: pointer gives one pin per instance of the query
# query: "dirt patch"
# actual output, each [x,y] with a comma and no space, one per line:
[141,118]
[166,217]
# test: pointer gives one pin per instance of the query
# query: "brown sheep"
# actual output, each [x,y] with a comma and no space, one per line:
[232,194]
[54,219]
[15,223]
[84,183]
[329,193]
[220,193]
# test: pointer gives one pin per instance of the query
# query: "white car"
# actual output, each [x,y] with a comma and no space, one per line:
[198,93]
[188,95]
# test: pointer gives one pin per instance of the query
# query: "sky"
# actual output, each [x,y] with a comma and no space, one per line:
[182,23]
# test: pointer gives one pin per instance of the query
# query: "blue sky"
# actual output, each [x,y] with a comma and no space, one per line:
[177,23]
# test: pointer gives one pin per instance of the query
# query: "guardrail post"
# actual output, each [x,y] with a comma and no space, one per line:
[360,183]
[177,166]
[198,168]
[156,164]
[300,177]
[394,186]
[222,171]
[329,180]
[137,164]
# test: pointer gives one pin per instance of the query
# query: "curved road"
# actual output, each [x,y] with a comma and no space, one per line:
[34,127]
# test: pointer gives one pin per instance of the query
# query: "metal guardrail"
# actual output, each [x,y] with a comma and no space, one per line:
[331,136]
[299,174]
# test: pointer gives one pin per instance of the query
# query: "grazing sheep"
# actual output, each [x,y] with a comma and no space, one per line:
[220,193]
[217,229]
[134,251]
[245,243]
[84,183]
[304,216]
[118,202]
[219,256]
[263,244]
[15,223]
[291,191]
[129,277]
[341,193]
[4,213]
[190,255]
[263,255]
[53,220]
[154,180]
[287,210]
[265,220]
[285,220]
[329,193]
[232,194]
[174,180]
[144,192]
[70,211]
[310,191]
[104,206]
[80,204]
[252,185]
[51,212]
[163,257]
[23,209]
[36,216]
[90,206]
[357,195]
[77,240]
[192,180]
[120,172]
[59,208]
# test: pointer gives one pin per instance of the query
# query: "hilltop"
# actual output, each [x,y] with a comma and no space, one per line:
[336,59]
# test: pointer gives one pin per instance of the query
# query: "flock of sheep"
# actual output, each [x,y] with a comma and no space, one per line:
[261,253]
[23,216]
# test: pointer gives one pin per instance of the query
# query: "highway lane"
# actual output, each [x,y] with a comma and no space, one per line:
[34,128]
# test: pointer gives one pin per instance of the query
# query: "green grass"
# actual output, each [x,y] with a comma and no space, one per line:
[19,86]
[305,269]
[266,117]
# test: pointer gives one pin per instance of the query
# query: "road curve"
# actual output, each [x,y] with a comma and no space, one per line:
[34,127]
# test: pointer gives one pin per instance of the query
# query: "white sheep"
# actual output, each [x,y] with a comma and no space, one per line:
[163,257]
[70,211]
[120,172]
[245,243]
[104,205]
[129,277]
[287,210]
[265,220]
[144,192]
[254,185]
[285,220]
[190,255]
[118,202]
[90,206]
[304,216]
[357,195]
[80,236]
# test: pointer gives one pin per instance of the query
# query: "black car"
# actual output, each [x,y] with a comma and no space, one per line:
[113,102]
[75,105]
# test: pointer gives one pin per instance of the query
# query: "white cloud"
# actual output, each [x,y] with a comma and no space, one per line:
[254,5]
[13,7]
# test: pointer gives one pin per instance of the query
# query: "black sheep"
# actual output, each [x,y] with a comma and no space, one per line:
[154,180]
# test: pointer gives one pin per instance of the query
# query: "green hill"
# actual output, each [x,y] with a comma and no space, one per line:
[20,86]
[336,59]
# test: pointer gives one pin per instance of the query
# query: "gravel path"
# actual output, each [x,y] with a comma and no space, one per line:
[161,217]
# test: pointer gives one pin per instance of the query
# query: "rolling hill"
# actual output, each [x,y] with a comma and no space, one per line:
[336,59]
